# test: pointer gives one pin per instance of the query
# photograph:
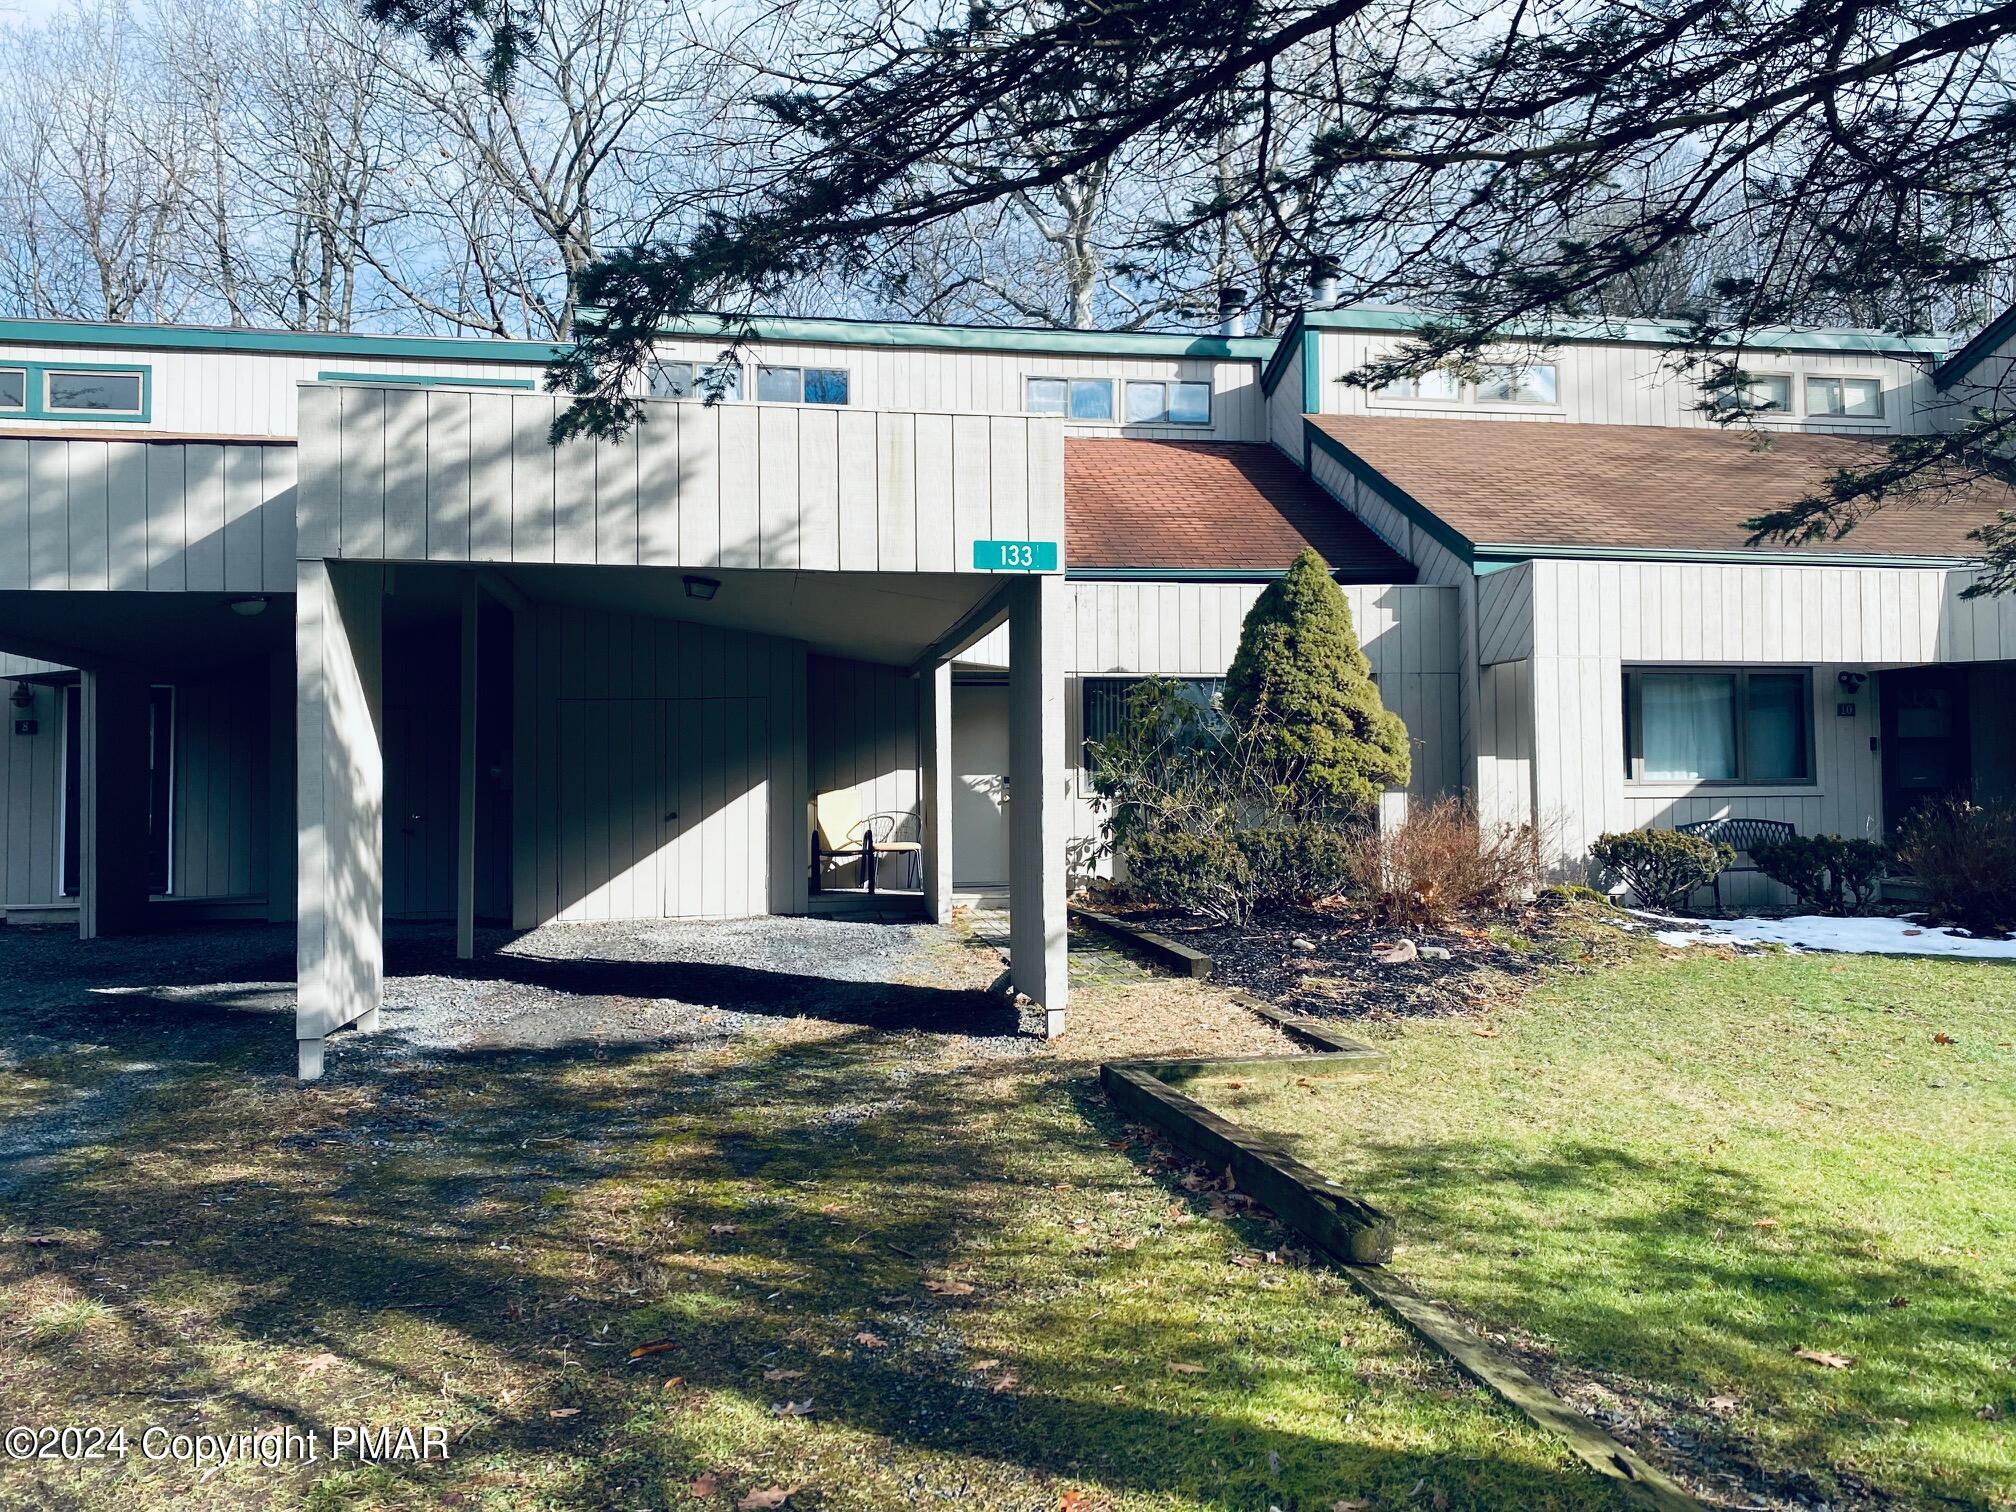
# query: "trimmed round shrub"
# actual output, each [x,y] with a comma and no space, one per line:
[1826,873]
[1662,867]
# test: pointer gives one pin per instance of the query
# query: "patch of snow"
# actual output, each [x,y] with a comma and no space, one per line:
[1873,936]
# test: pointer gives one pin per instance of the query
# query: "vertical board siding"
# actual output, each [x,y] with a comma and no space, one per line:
[1593,619]
[632,719]
[413,475]
[85,515]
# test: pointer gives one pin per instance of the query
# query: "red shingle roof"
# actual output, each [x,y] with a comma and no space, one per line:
[1642,486]
[1209,504]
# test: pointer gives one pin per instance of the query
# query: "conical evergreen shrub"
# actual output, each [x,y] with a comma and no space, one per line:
[1302,685]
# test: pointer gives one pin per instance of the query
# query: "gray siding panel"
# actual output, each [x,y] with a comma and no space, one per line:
[734,485]
[88,515]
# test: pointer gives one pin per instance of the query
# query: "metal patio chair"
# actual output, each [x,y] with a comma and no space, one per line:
[842,833]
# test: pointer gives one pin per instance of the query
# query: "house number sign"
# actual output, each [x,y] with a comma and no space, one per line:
[1015,556]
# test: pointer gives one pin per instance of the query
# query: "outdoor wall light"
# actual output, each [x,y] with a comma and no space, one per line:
[248,607]
[702,587]
[1851,682]
[23,697]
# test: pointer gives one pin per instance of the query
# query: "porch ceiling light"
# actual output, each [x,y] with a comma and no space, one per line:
[248,606]
[702,587]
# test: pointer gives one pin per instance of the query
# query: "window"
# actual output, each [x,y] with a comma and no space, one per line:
[792,385]
[1438,384]
[1726,726]
[1106,701]
[686,380]
[1505,383]
[1073,398]
[1758,394]
[1853,398]
[71,391]
[160,788]
[91,390]
[1168,403]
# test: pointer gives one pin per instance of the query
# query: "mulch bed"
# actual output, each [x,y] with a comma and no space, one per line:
[1339,977]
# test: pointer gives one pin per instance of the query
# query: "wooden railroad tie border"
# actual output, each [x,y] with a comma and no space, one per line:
[1354,1232]
[1182,959]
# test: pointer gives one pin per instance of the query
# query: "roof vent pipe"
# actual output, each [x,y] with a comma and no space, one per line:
[1322,283]
[1231,311]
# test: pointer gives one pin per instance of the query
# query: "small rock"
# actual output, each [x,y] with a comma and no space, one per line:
[1397,954]
[1301,944]
[1434,953]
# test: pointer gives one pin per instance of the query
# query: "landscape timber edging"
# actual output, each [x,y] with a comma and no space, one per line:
[1182,959]
[1354,1232]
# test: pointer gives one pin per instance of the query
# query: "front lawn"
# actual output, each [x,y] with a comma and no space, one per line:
[871,1267]
[1667,1177]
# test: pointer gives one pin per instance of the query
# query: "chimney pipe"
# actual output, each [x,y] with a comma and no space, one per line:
[1232,311]
[1322,283]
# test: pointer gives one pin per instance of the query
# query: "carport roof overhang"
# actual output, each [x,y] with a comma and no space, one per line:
[899,618]
[155,632]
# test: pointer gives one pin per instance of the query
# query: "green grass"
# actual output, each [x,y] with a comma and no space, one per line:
[1669,1175]
[481,1247]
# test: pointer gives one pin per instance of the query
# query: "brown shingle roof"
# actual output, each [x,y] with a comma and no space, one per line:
[1209,504]
[1641,486]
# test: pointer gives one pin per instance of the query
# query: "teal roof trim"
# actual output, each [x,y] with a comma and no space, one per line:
[1492,557]
[1284,353]
[833,331]
[192,338]
[1984,341]
[1643,332]
[1417,513]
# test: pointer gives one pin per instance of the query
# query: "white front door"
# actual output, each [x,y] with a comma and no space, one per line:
[979,785]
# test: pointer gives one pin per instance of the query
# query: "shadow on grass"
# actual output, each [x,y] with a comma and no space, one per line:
[1681,1281]
[753,1209]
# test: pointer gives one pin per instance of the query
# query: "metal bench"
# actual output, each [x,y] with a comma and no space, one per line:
[1740,835]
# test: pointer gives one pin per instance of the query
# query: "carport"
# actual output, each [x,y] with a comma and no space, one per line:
[610,661]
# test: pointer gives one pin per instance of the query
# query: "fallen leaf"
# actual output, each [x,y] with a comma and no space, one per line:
[1072,1501]
[1765,1223]
[656,1346]
[721,1228]
[1005,1382]
[1350,1504]
[766,1500]
[950,1288]
[1900,1301]
[1822,1357]
[1942,1039]
[1485,1033]
[983,1364]
[319,1363]
[707,1484]
[870,1340]
[673,1383]
[792,1409]
[564,1412]
[1178,1367]
[782,1375]
[1990,1414]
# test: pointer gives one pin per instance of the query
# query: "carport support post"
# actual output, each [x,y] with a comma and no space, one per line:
[340,768]
[465,788]
[112,788]
[1037,828]
[937,721]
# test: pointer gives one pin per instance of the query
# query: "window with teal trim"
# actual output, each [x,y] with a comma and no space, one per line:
[74,391]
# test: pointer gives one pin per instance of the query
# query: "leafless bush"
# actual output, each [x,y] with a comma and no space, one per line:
[1440,861]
